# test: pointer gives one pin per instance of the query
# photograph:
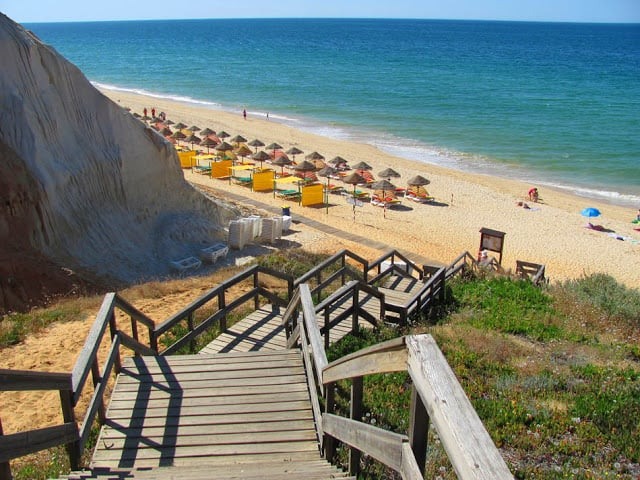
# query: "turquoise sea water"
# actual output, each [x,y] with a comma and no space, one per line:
[554,104]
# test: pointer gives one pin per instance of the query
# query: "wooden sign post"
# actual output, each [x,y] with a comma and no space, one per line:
[491,240]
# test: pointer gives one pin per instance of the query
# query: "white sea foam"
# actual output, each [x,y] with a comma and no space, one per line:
[406,148]
[175,98]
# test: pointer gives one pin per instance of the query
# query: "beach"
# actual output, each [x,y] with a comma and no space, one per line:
[551,232]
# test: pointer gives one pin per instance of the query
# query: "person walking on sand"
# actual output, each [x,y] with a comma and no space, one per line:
[144,111]
[244,113]
[153,112]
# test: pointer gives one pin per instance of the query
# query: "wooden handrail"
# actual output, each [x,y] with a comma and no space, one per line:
[312,330]
[21,380]
[341,255]
[89,351]
[392,254]
[469,447]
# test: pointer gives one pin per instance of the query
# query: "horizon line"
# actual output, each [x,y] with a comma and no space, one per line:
[581,22]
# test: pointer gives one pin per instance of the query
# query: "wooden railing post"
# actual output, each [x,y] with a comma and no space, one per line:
[356,414]
[418,429]
[356,310]
[256,300]
[222,305]
[343,265]
[329,407]
[5,468]
[113,329]
[327,329]
[319,289]
[192,343]
[153,342]
[134,328]
[73,448]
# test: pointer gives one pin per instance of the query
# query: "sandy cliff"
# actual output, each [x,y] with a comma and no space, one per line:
[84,183]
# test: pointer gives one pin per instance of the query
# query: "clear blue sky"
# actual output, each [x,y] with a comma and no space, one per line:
[25,11]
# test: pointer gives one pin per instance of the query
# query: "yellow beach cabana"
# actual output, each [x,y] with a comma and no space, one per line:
[263,180]
[221,169]
[187,158]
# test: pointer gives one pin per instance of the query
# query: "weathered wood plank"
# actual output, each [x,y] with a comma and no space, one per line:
[152,368]
[143,412]
[380,444]
[202,438]
[151,401]
[222,391]
[83,364]
[469,447]
[20,380]
[16,445]
[389,356]
[177,451]
[214,461]
[159,378]
[198,382]
[237,418]
[111,430]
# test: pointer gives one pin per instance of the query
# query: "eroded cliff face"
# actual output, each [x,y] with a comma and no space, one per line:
[84,183]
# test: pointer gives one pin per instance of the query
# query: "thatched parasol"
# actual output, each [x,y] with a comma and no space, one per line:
[362,166]
[417,181]
[261,156]
[389,173]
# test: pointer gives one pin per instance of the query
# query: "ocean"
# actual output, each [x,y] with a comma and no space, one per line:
[553,104]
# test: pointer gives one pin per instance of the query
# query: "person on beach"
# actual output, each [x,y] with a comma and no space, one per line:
[533,194]
[638,216]
[153,112]
[244,113]
[144,111]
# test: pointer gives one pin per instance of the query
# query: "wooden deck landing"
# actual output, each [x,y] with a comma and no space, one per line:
[224,411]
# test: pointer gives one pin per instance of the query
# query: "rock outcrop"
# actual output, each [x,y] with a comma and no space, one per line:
[83,183]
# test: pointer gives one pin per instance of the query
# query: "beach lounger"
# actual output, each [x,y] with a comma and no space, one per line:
[288,194]
[246,181]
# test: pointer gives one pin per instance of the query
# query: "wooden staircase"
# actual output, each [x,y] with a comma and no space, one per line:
[215,416]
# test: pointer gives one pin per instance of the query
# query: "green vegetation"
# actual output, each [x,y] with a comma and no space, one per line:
[553,373]
[14,328]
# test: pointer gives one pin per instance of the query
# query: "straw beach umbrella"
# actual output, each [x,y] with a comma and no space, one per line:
[206,132]
[243,151]
[224,147]
[354,179]
[256,143]
[274,146]
[178,135]
[260,156]
[362,166]
[180,126]
[193,139]
[208,142]
[384,186]
[418,181]
[223,134]
[194,128]
[238,139]
[327,172]
[281,162]
[293,151]
[389,173]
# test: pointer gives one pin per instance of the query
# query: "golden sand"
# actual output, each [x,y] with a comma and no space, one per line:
[551,232]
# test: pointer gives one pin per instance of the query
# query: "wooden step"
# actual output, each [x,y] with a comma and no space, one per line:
[215,409]
[306,470]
